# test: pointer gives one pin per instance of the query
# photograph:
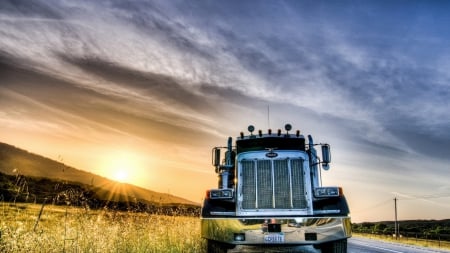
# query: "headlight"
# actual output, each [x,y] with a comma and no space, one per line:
[221,194]
[325,192]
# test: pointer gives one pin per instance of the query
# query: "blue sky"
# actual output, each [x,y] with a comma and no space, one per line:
[164,81]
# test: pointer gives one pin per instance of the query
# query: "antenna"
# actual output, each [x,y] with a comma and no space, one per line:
[268,116]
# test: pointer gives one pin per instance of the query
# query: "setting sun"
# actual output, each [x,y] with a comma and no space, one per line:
[122,166]
[121,175]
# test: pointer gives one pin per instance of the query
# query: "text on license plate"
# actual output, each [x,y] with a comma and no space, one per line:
[274,238]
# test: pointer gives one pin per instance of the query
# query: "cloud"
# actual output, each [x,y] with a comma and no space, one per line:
[366,77]
[29,9]
[369,78]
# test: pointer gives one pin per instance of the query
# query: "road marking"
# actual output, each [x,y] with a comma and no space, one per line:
[381,248]
[390,250]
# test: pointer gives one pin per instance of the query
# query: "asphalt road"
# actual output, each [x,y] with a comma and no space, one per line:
[363,245]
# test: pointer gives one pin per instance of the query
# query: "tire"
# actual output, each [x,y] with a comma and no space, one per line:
[334,247]
[216,247]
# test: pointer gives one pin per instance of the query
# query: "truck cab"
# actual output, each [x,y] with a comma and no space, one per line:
[270,196]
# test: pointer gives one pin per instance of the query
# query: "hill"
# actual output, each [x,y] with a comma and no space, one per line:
[23,165]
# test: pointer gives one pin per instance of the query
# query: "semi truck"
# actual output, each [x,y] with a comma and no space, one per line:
[270,196]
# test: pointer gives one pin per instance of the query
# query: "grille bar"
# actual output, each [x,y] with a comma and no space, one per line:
[273,184]
[249,185]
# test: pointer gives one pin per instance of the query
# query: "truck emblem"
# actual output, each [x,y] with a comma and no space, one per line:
[271,154]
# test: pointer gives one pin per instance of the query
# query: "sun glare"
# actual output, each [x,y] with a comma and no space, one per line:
[122,166]
[121,176]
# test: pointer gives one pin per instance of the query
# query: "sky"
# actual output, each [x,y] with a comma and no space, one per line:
[144,89]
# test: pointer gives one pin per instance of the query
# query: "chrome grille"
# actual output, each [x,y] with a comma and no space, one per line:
[273,184]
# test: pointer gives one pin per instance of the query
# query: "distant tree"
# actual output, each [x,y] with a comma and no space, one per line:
[379,228]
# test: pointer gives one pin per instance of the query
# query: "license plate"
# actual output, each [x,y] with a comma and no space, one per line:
[274,238]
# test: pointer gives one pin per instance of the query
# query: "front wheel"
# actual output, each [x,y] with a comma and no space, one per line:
[216,247]
[339,246]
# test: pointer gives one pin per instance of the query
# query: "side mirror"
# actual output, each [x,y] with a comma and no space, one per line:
[326,156]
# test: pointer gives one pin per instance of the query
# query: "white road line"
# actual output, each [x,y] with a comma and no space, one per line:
[381,248]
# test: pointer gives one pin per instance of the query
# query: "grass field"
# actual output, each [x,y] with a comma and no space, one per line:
[29,228]
[73,229]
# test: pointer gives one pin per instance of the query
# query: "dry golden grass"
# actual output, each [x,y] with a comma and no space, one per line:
[72,229]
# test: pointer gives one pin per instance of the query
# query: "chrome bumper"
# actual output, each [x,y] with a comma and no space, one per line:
[295,231]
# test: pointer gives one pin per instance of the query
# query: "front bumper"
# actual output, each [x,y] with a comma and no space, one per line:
[291,230]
